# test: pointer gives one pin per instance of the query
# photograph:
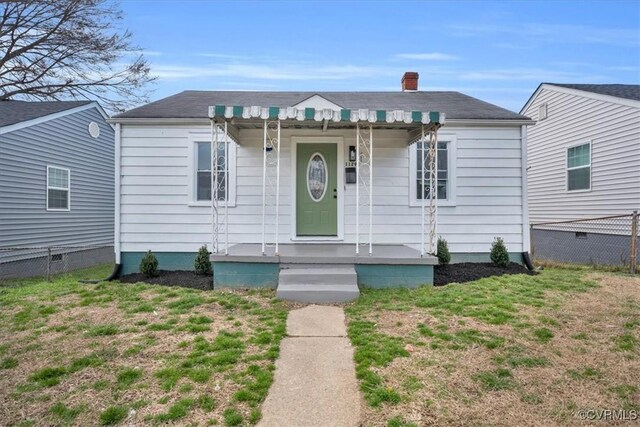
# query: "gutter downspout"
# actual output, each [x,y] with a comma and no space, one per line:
[526,237]
[116,228]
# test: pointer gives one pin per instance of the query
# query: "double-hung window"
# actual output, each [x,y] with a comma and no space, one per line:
[445,185]
[58,189]
[579,167]
[203,164]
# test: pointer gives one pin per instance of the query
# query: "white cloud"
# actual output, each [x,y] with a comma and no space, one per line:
[141,52]
[432,56]
[529,74]
[635,68]
[282,71]
[550,33]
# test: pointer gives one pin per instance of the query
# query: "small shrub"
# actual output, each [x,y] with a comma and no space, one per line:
[203,263]
[444,257]
[149,265]
[499,254]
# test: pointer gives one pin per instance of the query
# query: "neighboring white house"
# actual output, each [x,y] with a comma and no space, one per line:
[583,162]
[163,159]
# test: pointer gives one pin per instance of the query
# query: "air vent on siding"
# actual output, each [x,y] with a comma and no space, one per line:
[94,129]
[542,112]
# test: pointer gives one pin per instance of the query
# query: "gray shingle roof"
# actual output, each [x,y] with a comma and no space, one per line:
[12,112]
[194,104]
[617,90]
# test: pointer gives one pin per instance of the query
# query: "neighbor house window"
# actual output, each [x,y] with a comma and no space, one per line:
[203,166]
[445,186]
[579,167]
[58,189]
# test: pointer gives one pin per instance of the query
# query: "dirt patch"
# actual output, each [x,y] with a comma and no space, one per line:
[183,279]
[470,271]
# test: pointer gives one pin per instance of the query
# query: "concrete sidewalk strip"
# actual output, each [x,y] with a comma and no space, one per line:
[315,379]
[317,321]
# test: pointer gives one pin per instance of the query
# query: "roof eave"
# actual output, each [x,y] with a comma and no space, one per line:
[32,122]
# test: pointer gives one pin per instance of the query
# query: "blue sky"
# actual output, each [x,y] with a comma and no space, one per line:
[495,51]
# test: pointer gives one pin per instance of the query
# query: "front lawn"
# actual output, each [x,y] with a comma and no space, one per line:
[140,354]
[509,350]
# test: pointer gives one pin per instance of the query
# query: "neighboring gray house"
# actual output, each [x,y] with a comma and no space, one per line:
[583,162]
[56,186]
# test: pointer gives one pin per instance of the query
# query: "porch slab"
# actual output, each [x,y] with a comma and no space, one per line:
[325,253]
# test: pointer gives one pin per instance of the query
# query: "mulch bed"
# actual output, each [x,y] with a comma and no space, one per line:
[184,279]
[470,271]
[444,274]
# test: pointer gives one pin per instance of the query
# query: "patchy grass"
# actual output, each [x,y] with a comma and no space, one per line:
[112,353]
[510,350]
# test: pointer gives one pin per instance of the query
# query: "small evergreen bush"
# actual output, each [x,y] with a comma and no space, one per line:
[203,263]
[149,265]
[444,257]
[499,254]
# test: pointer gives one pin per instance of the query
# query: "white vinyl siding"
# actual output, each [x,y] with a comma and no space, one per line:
[58,189]
[157,211]
[614,132]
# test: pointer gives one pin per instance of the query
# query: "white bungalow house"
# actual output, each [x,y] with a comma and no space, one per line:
[319,178]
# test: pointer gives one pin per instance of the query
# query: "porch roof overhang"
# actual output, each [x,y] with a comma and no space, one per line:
[253,116]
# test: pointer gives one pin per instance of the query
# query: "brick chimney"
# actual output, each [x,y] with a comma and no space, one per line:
[410,81]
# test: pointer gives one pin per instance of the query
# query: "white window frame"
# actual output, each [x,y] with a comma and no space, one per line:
[193,171]
[67,189]
[452,145]
[567,168]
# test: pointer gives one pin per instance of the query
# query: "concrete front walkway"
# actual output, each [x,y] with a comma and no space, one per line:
[315,380]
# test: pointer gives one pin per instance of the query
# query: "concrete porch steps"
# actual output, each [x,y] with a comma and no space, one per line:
[326,284]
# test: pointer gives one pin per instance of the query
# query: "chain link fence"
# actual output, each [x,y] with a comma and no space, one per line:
[604,241]
[47,261]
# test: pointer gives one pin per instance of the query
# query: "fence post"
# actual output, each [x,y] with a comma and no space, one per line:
[48,263]
[634,242]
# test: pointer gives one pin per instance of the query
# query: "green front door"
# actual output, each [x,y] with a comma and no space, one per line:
[316,190]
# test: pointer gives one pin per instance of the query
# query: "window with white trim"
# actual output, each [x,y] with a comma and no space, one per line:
[442,172]
[579,167]
[445,173]
[202,165]
[58,189]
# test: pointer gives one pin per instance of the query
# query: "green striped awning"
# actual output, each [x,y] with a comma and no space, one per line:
[319,115]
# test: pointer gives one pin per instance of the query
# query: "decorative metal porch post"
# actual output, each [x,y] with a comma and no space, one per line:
[271,183]
[429,211]
[364,180]
[219,223]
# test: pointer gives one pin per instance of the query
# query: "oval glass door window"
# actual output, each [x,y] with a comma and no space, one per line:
[317,177]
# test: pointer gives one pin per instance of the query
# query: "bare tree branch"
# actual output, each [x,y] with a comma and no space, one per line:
[60,49]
